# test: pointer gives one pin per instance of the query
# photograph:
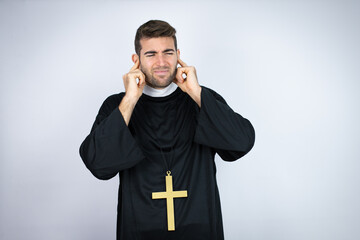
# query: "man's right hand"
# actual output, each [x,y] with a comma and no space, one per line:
[134,82]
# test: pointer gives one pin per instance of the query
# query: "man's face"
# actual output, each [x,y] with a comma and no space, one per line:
[158,61]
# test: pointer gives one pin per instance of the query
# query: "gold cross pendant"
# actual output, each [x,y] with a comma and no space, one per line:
[169,195]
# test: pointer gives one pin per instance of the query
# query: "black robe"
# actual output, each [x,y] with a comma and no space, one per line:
[175,129]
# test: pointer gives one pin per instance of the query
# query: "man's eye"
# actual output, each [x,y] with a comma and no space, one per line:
[170,53]
[150,55]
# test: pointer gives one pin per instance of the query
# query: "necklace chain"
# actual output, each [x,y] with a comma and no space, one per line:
[168,166]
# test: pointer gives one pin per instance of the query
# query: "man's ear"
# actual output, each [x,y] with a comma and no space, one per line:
[178,53]
[134,58]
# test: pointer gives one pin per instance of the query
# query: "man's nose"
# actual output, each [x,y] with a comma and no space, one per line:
[161,60]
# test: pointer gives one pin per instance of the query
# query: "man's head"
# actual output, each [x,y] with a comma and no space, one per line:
[156,49]
[154,29]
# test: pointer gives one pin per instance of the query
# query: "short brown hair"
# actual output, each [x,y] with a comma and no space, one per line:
[154,29]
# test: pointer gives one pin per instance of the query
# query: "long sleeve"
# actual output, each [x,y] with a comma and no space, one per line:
[222,129]
[110,146]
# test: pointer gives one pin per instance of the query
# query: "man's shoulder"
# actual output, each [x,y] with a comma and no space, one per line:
[111,102]
[210,92]
[114,98]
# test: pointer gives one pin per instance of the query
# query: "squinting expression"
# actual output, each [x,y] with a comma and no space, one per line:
[158,61]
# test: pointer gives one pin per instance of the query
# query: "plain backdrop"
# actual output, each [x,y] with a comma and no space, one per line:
[290,67]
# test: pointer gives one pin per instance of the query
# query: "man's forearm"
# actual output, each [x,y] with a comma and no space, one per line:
[196,95]
[126,108]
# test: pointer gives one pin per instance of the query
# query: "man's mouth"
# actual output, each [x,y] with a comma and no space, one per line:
[161,71]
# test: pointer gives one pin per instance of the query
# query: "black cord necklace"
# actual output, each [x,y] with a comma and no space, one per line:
[168,166]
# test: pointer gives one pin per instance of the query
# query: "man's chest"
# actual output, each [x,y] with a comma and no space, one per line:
[163,125]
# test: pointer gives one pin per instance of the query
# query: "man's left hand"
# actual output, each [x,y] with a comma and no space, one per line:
[189,84]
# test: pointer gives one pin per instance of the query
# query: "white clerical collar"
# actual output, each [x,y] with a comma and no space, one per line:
[160,92]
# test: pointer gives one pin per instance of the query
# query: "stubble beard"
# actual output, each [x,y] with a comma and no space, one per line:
[154,82]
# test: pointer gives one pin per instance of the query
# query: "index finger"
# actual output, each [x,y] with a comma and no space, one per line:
[136,65]
[182,63]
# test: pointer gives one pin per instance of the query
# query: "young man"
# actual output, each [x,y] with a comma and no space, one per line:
[161,136]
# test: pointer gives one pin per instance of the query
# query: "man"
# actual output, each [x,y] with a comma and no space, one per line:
[161,136]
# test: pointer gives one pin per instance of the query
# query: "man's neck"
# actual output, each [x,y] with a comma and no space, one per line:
[163,92]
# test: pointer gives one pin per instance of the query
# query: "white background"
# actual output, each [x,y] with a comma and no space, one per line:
[291,67]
